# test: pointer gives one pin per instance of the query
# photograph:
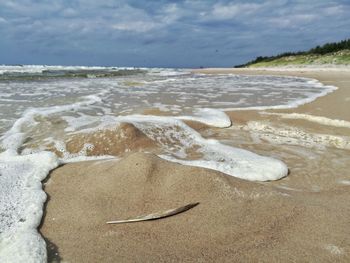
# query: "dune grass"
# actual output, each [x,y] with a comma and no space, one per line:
[335,58]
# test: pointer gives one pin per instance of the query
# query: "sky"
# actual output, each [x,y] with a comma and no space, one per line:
[161,33]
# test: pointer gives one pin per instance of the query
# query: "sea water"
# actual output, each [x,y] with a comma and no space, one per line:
[45,105]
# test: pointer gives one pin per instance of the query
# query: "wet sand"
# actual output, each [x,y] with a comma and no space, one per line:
[302,218]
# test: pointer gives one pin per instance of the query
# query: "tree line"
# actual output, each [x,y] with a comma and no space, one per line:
[318,50]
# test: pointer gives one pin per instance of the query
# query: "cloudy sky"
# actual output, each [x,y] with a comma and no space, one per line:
[161,33]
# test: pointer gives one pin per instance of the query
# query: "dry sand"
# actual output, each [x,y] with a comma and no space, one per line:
[284,221]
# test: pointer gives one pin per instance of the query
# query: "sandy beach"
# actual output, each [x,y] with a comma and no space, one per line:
[301,218]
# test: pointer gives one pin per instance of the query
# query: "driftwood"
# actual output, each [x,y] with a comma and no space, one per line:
[159,215]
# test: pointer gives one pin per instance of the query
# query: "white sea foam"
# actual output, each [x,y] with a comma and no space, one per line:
[296,136]
[176,138]
[211,117]
[344,182]
[14,137]
[233,161]
[75,123]
[187,91]
[306,97]
[41,68]
[21,195]
[83,158]
[312,118]
[335,250]
[21,205]
[179,137]
[164,72]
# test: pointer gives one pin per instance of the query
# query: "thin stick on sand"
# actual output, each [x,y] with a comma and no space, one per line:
[155,216]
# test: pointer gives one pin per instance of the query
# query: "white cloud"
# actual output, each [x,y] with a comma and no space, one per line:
[170,13]
[334,10]
[127,18]
[31,8]
[135,26]
[229,11]
[304,18]
[139,21]
[291,21]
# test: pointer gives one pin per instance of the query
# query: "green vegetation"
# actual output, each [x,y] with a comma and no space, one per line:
[330,53]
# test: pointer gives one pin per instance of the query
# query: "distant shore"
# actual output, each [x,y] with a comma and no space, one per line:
[303,217]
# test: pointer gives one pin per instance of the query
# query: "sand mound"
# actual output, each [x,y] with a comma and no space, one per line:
[116,141]
[235,221]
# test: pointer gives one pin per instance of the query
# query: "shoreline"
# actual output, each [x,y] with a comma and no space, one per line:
[326,78]
[243,220]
